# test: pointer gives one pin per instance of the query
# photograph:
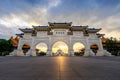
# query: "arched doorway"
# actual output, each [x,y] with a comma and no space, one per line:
[79,49]
[25,48]
[41,49]
[94,48]
[60,48]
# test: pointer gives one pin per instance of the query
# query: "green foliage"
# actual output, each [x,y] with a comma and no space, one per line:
[113,46]
[5,47]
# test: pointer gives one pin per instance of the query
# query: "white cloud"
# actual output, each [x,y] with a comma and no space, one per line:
[37,15]
[40,15]
[53,3]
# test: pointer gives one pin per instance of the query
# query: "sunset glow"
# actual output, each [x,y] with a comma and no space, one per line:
[60,45]
[78,46]
[103,14]
[42,47]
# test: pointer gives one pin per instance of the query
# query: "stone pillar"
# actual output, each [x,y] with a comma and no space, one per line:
[100,48]
[106,53]
[70,48]
[71,53]
[20,52]
[49,50]
[101,51]
[19,49]
[32,51]
[13,53]
[88,51]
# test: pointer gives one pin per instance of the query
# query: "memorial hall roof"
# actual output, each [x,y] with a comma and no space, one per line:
[63,25]
[43,26]
[40,28]
[60,25]
[79,26]
[26,30]
[93,30]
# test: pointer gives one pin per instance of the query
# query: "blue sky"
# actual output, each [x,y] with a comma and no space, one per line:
[16,14]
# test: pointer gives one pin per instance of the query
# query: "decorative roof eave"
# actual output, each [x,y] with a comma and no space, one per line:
[43,29]
[76,29]
[39,28]
[26,30]
[60,24]
[59,27]
[93,30]
[20,35]
[100,35]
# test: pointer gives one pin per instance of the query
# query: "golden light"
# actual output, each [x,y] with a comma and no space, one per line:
[78,46]
[42,47]
[60,45]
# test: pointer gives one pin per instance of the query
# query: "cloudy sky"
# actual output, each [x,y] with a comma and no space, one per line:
[16,14]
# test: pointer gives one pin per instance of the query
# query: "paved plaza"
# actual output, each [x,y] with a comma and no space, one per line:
[59,68]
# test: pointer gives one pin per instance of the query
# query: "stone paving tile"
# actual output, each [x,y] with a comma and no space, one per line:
[59,68]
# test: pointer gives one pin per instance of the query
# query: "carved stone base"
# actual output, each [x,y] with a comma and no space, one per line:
[31,53]
[100,53]
[48,53]
[13,53]
[106,53]
[20,53]
[89,53]
[71,53]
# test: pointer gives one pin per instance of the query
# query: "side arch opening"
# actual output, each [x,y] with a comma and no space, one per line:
[94,48]
[25,48]
[79,49]
[41,49]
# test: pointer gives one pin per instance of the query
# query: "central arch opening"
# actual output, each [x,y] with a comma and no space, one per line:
[60,48]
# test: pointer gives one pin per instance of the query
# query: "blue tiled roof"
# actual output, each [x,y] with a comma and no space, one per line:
[60,22]
[42,26]
[28,28]
[92,28]
[20,34]
[78,26]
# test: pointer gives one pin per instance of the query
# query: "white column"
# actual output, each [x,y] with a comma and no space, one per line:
[49,50]
[101,51]
[88,51]
[70,48]
[100,48]
[100,44]
[19,49]
[31,51]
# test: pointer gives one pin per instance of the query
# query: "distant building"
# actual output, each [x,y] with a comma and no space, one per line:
[64,32]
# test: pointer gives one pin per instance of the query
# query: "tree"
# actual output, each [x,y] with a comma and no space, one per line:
[112,45]
[5,47]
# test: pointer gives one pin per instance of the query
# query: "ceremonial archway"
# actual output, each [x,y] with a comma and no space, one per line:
[60,48]
[61,39]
